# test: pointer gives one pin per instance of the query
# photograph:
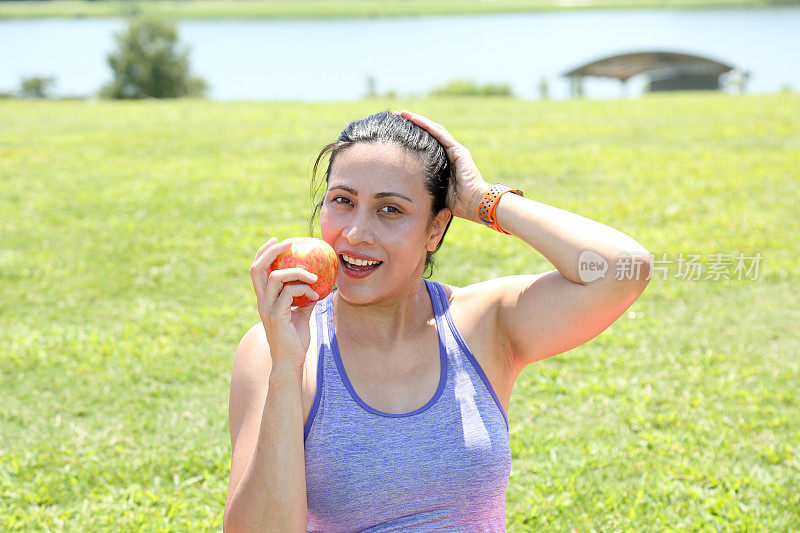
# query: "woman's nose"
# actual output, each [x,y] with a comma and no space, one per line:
[358,231]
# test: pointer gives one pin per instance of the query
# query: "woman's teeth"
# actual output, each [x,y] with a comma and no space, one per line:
[358,262]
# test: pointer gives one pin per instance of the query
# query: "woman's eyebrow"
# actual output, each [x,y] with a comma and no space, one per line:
[377,195]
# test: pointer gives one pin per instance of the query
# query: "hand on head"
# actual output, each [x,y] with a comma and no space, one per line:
[469,184]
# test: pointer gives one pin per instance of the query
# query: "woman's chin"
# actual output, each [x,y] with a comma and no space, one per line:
[355,295]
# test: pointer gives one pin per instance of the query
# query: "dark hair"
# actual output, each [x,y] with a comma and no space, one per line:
[385,127]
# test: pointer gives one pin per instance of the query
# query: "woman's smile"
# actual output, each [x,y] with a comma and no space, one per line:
[357,268]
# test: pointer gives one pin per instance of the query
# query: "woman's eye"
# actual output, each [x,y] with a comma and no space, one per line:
[335,200]
[388,209]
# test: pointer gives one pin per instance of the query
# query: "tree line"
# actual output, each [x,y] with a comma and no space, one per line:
[149,61]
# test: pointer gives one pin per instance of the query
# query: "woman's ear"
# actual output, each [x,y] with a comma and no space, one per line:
[437,227]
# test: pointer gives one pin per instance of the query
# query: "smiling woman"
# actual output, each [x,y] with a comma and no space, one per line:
[395,417]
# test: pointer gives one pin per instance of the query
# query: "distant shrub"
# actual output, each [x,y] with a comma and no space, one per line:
[150,63]
[36,86]
[462,87]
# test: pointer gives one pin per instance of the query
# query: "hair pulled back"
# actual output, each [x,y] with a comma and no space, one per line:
[387,128]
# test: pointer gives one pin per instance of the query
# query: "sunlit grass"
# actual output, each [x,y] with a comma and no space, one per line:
[126,234]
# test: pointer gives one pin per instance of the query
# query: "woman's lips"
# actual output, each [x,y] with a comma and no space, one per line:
[357,272]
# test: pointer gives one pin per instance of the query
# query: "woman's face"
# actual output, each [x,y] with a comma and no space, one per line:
[376,208]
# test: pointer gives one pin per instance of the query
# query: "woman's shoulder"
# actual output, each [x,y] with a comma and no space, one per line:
[449,290]
[467,304]
[478,296]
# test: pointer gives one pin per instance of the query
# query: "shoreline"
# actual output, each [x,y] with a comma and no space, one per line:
[319,9]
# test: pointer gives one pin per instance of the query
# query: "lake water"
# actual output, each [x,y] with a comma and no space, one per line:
[324,60]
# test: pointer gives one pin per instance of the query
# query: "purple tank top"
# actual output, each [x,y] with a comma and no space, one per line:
[442,467]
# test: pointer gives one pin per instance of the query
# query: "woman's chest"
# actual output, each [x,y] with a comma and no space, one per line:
[398,380]
[439,456]
[410,386]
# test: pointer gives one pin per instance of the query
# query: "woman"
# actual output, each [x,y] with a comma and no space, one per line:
[394,418]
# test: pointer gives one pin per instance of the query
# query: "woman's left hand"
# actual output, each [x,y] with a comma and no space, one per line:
[470,185]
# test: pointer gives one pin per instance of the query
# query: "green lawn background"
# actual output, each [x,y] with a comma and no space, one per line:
[127,230]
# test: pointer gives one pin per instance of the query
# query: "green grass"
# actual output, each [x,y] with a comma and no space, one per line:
[126,234]
[327,8]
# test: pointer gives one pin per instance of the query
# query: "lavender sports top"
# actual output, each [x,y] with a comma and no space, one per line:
[442,467]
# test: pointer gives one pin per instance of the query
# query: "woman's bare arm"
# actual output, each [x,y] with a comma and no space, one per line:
[600,271]
[267,488]
[547,314]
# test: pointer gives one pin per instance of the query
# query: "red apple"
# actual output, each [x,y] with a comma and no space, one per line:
[314,255]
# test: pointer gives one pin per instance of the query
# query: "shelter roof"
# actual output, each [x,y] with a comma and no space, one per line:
[656,63]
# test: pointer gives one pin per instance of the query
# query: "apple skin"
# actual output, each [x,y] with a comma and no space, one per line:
[314,255]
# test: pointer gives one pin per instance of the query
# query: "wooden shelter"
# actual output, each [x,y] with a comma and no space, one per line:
[666,71]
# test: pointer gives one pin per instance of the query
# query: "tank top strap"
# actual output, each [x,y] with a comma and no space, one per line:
[441,310]
[321,312]
[456,345]
[437,294]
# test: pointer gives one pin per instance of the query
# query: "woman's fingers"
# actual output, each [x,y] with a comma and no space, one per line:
[270,242]
[434,128]
[268,285]
[289,292]
[278,280]
[269,252]
[258,270]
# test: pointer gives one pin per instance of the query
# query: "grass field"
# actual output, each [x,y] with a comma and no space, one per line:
[326,8]
[127,231]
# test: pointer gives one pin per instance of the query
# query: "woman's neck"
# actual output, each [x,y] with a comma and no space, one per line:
[386,323]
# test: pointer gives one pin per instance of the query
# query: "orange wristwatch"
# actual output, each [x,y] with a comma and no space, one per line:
[488,205]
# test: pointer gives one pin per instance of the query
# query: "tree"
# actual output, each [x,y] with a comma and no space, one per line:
[544,89]
[371,92]
[36,86]
[149,63]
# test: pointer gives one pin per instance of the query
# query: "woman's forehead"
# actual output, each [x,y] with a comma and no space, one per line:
[371,165]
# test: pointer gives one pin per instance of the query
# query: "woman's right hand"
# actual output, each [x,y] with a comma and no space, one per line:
[287,329]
